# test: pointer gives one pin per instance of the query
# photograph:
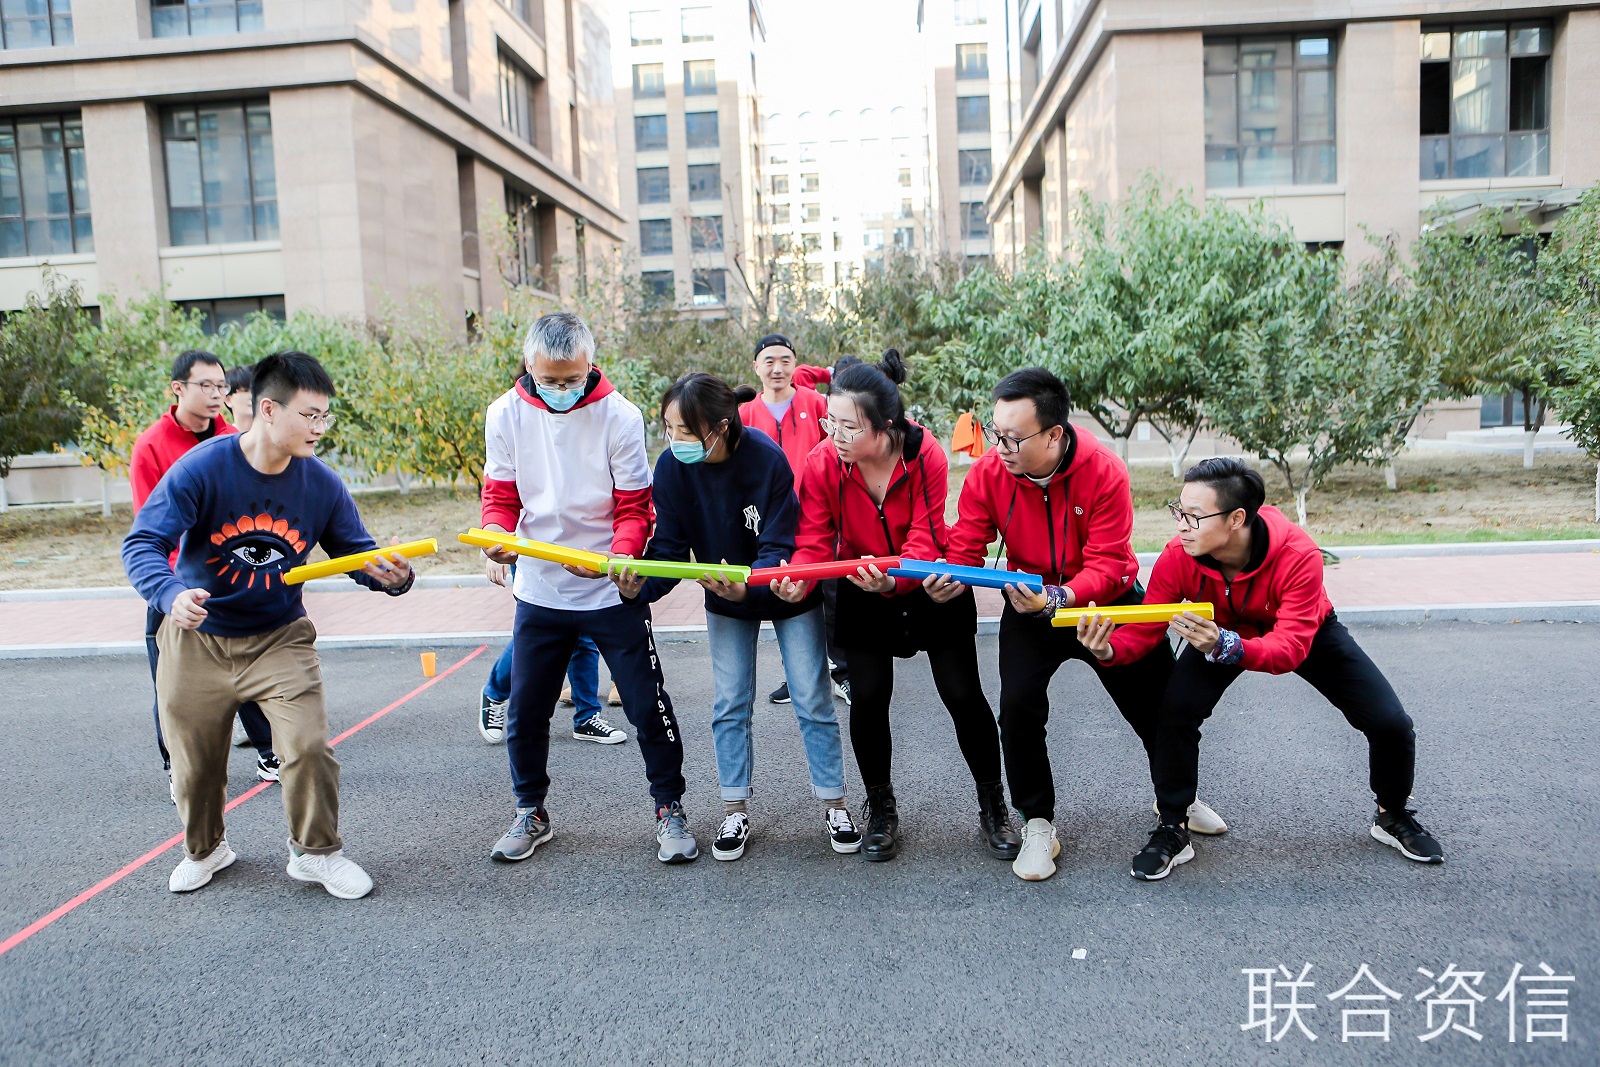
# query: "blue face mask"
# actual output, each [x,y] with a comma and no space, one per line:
[688,451]
[558,399]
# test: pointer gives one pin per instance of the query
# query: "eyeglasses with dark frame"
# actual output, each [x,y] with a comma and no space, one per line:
[1011,445]
[1191,521]
[208,388]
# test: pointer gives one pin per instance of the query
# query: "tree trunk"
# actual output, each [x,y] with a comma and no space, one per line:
[1597,491]
[105,495]
[404,481]
[1121,444]
[1532,420]
[1389,477]
[1300,503]
[1527,447]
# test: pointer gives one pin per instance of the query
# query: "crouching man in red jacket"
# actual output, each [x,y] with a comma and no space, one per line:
[1264,576]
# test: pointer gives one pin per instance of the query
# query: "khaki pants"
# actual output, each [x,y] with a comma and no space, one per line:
[200,680]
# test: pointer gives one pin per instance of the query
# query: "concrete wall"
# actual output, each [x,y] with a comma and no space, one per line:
[1379,148]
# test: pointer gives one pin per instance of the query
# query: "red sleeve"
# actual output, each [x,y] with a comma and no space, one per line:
[810,377]
[630,521]
[815,534]
[1133,642]
[975,523]
[144,471]
[926,537]
[1299,614]
[1110,566]
[502,504]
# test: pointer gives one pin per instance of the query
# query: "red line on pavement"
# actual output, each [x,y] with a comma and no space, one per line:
[99,887]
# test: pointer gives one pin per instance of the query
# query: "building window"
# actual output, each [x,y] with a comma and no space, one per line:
[780,214]
[644,27]
[1269,111]
[905,238]
[783,243]
[218,315]
[654,186]
[705,181]
[905,210]
[811,242]
[780,185]
[810,212]
[201,18]
[37,23]
[808,152]
[972,61]
[44,187]
[655,237]
[1486,101]
[699,77]
[660,287]
[838,242]
[649,133]
[700,127]
[710,287]
[221,181]
[810,183]
[649,79]
[872,240]
[903,178]
[778,154]
[974,222]
[697,25]
[522,220]
[974,166]
[972,114]
[970,13]
[814,274]
[523,9]
[516,98]
[705,233]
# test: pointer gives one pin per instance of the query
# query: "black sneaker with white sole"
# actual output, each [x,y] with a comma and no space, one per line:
[267,768]
[780,695]
[731,836]
[599,731]
[1401,831]
[841,690]
[492,718]
[1169,846]
[843,833]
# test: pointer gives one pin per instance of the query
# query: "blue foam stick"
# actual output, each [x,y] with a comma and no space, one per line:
[975,576]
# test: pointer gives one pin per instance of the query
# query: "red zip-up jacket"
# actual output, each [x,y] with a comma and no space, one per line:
[1276,608]
[161,445]
[798,432]
[1076,531]
[835,505]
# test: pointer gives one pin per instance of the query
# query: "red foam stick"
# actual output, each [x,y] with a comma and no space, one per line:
[816,572]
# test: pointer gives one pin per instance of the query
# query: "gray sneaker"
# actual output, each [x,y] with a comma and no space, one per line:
[672,834]
[528,831]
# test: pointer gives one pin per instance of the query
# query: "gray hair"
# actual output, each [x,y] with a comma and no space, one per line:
[560,336]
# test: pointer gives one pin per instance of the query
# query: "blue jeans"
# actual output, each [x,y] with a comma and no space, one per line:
[803,641]
[583,672]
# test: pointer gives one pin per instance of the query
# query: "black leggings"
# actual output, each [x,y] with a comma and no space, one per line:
[955,675]
[1338,669]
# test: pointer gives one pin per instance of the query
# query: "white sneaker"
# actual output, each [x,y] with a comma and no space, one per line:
[1202,820]
[1036,861]
[336,873]
[191,874]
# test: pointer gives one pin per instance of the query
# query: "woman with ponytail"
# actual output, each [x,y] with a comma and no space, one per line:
[724,493]
[876,487]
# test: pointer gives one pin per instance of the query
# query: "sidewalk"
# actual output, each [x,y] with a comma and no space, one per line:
[1474,582]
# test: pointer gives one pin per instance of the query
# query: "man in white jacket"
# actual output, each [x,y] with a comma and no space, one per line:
[567,464]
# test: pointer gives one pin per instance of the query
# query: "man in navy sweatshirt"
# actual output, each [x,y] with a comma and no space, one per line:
[241,510]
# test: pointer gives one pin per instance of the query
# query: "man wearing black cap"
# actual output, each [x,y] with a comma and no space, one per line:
[790,411]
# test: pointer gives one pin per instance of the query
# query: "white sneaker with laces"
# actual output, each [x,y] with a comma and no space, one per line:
[335,872]
[1036,861]
[731,836]
[1202,820]
[191,874]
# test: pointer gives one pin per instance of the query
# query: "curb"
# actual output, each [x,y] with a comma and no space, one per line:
[1571,611]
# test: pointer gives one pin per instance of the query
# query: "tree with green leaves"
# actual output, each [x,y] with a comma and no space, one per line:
[41,363]
[1570,276]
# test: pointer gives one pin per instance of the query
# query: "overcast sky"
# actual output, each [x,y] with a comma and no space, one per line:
[825,54]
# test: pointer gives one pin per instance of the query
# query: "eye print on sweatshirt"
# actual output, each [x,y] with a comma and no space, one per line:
[255,545]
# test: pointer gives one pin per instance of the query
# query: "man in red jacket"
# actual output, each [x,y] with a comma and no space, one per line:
[1062,507]
[198,387]
[790,411]
[1263,574]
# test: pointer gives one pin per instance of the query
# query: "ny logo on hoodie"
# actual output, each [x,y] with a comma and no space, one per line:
[752,520]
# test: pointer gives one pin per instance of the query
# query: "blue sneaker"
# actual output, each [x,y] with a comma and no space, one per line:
[677,844]
[529,830]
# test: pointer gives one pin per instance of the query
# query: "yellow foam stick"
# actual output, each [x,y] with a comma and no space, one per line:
[522,546]
[345,564]
[1121,614]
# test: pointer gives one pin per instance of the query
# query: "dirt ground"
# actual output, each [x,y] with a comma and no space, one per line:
[1442,496]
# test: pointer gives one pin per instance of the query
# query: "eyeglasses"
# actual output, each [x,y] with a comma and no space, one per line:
[1191,521]
[1012,445]
[319,423]
[833,428]
[209,388]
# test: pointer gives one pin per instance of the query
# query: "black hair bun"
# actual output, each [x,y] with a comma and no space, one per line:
[893,366]
[745,393]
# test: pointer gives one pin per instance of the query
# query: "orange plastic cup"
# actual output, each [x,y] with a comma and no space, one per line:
[430,664]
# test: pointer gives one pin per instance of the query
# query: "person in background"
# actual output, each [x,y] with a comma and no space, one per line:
[238,398]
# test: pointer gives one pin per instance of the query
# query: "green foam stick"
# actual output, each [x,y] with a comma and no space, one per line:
[658,568]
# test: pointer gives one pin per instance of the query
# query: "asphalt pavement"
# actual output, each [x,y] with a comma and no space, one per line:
[593,952]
